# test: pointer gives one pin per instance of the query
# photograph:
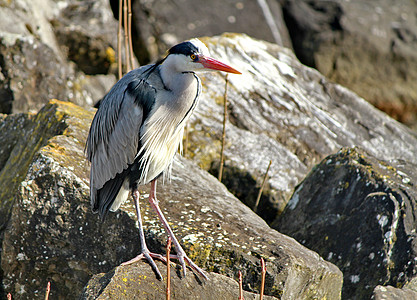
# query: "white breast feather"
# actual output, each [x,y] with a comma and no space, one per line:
[162,133]
[160,142]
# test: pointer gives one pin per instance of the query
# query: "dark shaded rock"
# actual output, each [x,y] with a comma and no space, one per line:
[280,110]
[138,282]
[359,213]
[392,293]
[86,32]
[159,24]
[13,125]
[25,135]
[34,66]
[368,47]
[34,74]
[52,235]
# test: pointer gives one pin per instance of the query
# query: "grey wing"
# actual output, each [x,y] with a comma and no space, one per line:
[113,140]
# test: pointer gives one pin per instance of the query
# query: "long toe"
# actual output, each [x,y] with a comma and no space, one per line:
[149,257]
[195,268]
[185,259]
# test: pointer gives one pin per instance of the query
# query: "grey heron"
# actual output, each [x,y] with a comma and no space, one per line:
[137,130]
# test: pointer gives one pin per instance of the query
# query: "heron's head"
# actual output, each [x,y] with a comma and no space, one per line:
[193,55]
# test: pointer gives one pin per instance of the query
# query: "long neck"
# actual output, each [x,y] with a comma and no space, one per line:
[174,79]
[182,89]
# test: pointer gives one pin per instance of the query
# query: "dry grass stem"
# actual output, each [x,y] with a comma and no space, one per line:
[119,41]
[240,287]
[129,28]
[185,143]
[168,291]
[126,36]
[224,130]
[255,208]
[263,270]
[48,290]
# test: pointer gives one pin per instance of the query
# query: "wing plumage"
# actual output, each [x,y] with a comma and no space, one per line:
[114,138]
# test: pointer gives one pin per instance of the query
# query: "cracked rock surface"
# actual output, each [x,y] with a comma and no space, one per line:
[359,213]
[52,235]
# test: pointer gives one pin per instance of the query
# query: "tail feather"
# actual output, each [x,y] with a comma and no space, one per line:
[107,194]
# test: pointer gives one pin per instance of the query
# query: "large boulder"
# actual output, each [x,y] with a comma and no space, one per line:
[51,234]
[45,48]
[280,110]
[359,213]
[367,46]
[23,135]
[392,293]
[137,282]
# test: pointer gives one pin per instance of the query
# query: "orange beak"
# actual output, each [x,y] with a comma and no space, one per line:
[210,63]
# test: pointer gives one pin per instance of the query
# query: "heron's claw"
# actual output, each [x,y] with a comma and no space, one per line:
[183,259]
[149,257]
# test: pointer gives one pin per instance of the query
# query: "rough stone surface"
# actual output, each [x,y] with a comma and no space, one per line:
[359,213]
[13,125]
[26,134]
[367,46]
[52,235]
[34,54]
[138,282]
[87,35]
[392,293]
[280,110]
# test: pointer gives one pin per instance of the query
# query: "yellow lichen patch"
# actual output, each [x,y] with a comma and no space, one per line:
[54,148]
[111,55]
[68,108]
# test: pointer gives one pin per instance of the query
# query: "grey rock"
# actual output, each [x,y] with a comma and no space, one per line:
[137,282]
[86,32]
[392,293]
[280,110]
[23,136]
[359,213]
[33,52]
[367,46]
[13,125]
[52,235]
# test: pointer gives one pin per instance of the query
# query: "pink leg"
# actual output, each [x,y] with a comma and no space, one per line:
[181,255]
[145,253]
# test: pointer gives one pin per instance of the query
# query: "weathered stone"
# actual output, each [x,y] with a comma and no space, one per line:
[34,65]
[53,236]
[138,282]
[13,125]
[392,293]
[33,134]
[86,32]
[367,46]
[280,110]
[359,213]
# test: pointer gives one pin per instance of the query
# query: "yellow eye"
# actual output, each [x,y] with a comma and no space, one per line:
[193,56]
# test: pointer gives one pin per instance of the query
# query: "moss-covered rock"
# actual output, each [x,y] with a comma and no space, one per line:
[23,136]
[52,235]
[138,282]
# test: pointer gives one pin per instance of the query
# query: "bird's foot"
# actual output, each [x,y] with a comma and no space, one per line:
[183,258]
[149,256]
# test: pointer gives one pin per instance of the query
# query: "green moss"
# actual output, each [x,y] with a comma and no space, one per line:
[49,122]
